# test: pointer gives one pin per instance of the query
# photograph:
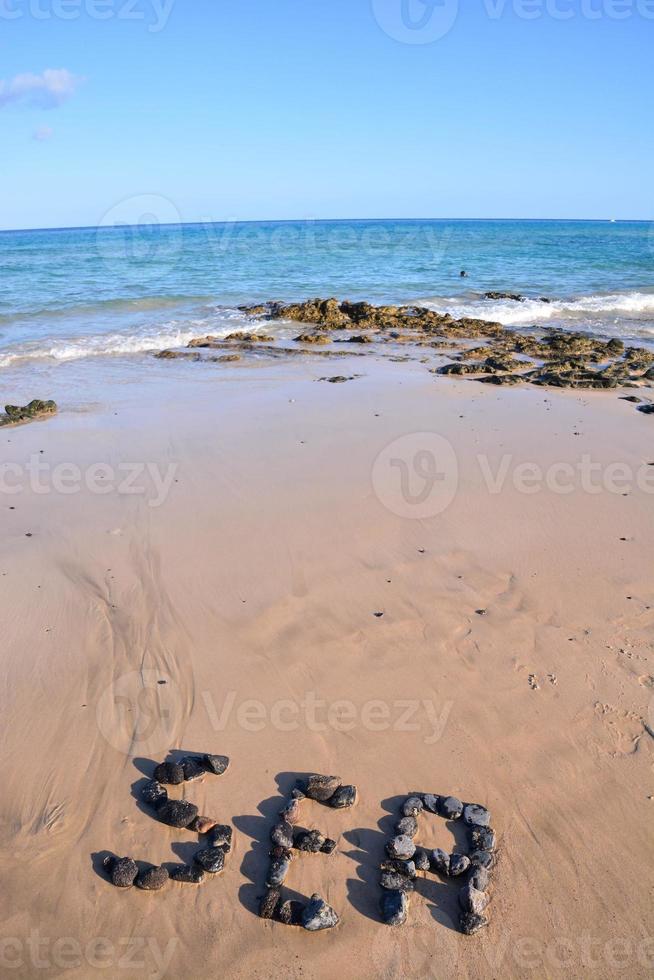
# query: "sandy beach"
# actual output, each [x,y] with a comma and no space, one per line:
[198,564]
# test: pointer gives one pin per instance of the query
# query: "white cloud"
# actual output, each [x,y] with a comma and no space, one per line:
[42,134]
[45,91]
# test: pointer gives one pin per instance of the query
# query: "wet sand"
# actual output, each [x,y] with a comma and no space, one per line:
[251,590]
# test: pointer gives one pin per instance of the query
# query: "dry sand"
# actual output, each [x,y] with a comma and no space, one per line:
[257,580]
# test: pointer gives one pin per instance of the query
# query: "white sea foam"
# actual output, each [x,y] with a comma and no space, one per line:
[97,345]
[624,313]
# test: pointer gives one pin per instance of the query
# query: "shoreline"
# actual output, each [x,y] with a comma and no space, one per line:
[283,530]
[485,351]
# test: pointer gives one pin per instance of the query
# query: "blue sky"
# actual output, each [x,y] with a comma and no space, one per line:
[246,109]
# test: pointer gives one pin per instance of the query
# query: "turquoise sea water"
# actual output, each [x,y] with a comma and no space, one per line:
[73,294]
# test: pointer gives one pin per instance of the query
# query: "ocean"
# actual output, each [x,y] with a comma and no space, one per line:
[120,292]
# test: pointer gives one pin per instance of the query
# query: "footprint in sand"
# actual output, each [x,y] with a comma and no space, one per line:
[533,682]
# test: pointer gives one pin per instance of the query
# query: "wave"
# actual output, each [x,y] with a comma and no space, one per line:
[627,315]
[98,345]
[617,311]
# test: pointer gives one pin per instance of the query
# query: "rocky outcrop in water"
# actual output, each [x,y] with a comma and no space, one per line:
[546,358]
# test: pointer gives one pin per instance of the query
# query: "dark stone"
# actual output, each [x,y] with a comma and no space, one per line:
[269,903]
[482,859]
[211,859]
[408,826]
[412,806]
[573,378]
[394,908]
[473,900]
[421,860]
[432,802]
[247,337]
[313,338]
[277,872]
[516,297]
[440,861]
[451,808]
[174,355]
[36,409]
[503,379]
[192,768]
[170,773]
[221,836]
[476,815]
[646,409]
[345,796]
[188,874]
[401,847]
[177,813]
[320,788]
[282,834]
[328,847]
[394,881]
[310,841]
[318,915]
[152,879]
[459,864]
[458,368]
[480,878]
[202,825]
[217,764]
[405,868]
[291,812]
[471,923]
[122,871]
[154,794]
[290,913]
[483,838]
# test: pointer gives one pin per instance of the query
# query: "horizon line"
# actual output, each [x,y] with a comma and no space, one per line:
[279,221]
